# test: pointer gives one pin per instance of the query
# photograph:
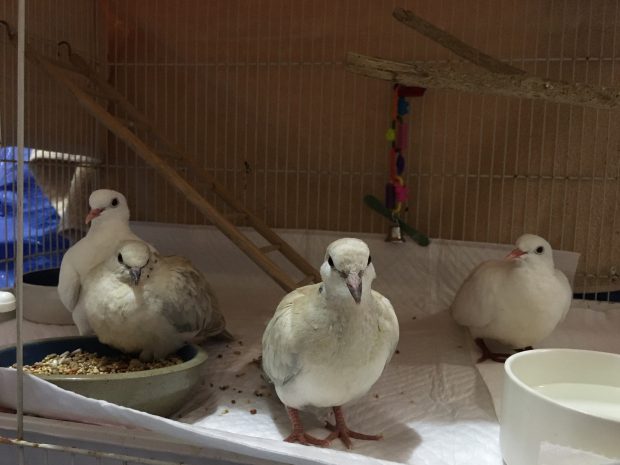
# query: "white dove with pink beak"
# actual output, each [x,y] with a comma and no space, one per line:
[328,343]
[517,301]
[109,226]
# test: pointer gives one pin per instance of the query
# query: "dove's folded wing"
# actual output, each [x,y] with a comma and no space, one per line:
[477,301]
[281,360]
[187,301]
[68,284]
[565,293]
[388,323]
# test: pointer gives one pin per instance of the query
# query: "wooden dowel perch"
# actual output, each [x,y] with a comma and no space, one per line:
[495,77]
[512,85]
[453,44]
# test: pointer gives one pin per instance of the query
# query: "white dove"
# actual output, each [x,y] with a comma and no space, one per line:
[328,343]
[109,218]
[140,302]
[517,301]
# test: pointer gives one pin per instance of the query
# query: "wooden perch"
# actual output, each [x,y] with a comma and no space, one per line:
[512,85]
[453,44]
[498,78]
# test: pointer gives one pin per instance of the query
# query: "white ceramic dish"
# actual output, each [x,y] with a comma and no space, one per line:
[565,397]
[41,301]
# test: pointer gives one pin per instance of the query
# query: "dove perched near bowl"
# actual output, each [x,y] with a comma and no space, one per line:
[328,343]
[517,301]
[140,302]
[109,225]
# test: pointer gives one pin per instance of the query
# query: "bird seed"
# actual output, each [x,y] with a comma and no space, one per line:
[79,362]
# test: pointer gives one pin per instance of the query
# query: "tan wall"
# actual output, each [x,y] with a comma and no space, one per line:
[258,91]
[54,123]
[53,119]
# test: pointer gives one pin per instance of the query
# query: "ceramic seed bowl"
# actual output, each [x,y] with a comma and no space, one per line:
[160,391]
[560,397]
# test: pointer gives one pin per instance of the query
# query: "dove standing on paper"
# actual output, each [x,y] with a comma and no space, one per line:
[109,219]
[140,302]
[328,343]
[517,301]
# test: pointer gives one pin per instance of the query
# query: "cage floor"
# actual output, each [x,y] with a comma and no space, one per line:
[432,405]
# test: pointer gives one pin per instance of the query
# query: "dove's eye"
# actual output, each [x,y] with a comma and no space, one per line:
[540,249]
[120,258]
[331,262]
[114,202]
[369,260]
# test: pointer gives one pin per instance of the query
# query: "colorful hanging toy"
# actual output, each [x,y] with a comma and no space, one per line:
[396,193]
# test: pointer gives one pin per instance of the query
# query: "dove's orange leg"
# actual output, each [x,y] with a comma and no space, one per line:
[488,355]
[298,434]
[342,431]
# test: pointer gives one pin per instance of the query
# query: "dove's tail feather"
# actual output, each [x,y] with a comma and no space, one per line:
[215,327]
[225,335]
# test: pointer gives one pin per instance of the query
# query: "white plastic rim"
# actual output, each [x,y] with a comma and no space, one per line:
[7,302]
[530,419]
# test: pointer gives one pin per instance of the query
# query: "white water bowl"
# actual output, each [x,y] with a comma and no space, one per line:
[564,397]
[41,301]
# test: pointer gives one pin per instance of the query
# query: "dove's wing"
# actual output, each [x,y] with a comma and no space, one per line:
[281,361]
[215,327]
[184,297]
[565,295]
[68,283]
[388,323]
[214,322]
[480,295]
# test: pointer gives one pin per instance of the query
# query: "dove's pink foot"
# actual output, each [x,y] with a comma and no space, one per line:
[298,434]
[488,355]
[341,430]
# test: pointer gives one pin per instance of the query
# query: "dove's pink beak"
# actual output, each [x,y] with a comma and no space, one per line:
[354,283]
[94,213]
[516,253]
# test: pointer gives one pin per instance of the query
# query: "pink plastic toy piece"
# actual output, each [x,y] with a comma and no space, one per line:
[401,193]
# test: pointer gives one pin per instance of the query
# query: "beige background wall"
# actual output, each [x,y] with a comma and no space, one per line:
[53,119]
[54,123]
[258,92]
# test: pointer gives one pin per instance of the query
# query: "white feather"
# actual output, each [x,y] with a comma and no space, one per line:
[517,301]
[107,230]
[323,349]
[171,304]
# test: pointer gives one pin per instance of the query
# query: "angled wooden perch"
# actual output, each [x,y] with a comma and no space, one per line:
[496,77]
[453,44]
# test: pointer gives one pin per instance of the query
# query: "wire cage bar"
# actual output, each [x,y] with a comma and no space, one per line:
[262,99]
[258,93]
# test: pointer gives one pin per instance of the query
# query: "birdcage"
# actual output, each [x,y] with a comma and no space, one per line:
[248,135]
